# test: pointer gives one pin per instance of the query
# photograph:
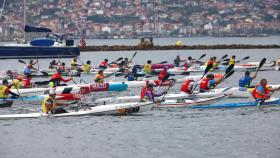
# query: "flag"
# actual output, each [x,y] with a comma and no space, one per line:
[83,41]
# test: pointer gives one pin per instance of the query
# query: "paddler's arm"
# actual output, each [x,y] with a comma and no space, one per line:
[254,76]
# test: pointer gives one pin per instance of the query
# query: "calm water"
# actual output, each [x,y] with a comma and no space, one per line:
[230,133]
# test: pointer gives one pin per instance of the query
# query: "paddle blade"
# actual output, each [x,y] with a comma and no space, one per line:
[21,61]
[119,59]
[226,60]
[229,74]
[134,55]
[261,63]
[44,73]
[202,56]
[119,74]
[246,58]
[207,68]
[229,68]
[223,57]
[163,62]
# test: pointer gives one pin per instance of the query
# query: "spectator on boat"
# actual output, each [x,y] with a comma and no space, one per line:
[57,78]
[104,64]
[100,77]
[87,67]
[49,104]
[17,83]
[208,83]
[231,60]
[246,80]
[5,90]
[27,83]
[163,74]
[148,67]
[187,86]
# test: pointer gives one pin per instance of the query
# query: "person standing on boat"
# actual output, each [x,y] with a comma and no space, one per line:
[163,74]
[208,83]
[99,77]
[246,80]
[57,78]
[49,104]
[187,87]
[17,83]
[231,60]
[104,64]
[148,67]
[87,67]
[5,90]
[27,83]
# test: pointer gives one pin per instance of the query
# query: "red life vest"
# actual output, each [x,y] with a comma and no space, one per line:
[256,95]
[210,62]
[103,64]
[56,76]
[162,75]
[27,83]
[187,87]
[143,93]
[204,84]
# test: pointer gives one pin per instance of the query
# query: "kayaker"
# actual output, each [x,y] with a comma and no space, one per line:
[27,70]
[208,83]
[5,90]
[261,91]
[49,104]
[62,67]
[177,61]
[232,60]
[104,64]
[17,83]
[188,63]
[27,81]
[187,86]
[74,64]
[147,92]
[100,77]
[246,80]
[132,75]
[53,64]
[31,63]
[57,78]
[163,74]
[148,67]
[87,67]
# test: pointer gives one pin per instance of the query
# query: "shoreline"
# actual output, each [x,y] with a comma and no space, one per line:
[173,47]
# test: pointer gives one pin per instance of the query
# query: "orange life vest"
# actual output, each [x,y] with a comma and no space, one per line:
[256,95]
[187,87]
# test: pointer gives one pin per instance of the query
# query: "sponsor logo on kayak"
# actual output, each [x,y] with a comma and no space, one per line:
[99,87]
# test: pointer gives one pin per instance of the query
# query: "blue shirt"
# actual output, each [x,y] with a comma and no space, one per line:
[245,81]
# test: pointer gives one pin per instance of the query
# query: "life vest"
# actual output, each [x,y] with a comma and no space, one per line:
[143,95]
[99,79]
[187,86]
[256,95]
[44,107]
[162,74]
[86,68]
[204,84]
[27,70]
[61,68]
[147,68]
[55,80]
[27,83]
[103,64]
[74,64]
[3,92]
[16,84]
[209,62]
[231,61]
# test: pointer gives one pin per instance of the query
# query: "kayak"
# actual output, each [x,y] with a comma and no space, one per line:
[270,102]
[110,109]
[187,102]
[73,89]
[236,92]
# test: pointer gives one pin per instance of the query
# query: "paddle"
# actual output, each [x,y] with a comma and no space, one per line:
[261,64]
[205,72]
[246,58]
[132,57]
[202,56]
[263,100]
[222,58]
[172,84]
[114,62]
[43,72]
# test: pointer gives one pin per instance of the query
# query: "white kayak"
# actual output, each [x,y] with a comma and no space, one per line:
[188,102]
[236,92]
[110,109]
